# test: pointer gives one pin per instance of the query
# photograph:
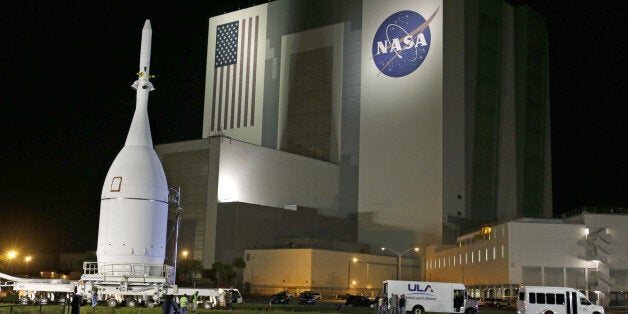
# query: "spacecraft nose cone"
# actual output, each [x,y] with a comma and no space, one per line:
[147,26]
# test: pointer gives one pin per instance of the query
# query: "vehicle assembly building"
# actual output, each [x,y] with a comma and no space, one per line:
[415,120]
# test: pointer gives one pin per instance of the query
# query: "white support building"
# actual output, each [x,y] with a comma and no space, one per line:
[332,273]
[588,252]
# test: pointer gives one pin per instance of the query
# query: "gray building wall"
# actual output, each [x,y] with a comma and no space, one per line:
[219,170]
[244,226]
[507,163]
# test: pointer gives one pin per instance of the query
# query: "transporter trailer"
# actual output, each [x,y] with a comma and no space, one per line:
[112,290]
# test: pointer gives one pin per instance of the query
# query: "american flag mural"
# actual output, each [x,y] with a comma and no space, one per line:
[233,103]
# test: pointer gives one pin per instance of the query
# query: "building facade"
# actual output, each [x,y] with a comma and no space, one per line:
[588,252]
[420,119]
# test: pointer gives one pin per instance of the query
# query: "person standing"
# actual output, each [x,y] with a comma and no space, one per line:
[402,304]
[183,304]
[385,304]
[392,304]
[94,297]
[76,304]
[194,302]
[170,306]
[380,304]
[228,299]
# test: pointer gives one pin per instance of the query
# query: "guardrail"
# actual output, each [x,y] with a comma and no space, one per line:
[31,309]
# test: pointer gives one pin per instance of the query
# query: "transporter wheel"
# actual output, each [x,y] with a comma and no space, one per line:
[131,303]
[549,312]
[207,305]
[44,301]
[24,300]
[112,303]
[417,309]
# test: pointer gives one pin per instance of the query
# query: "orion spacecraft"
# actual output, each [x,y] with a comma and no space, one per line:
[134,200]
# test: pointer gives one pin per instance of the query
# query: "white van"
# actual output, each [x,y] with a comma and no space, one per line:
[422,296]
[554,300]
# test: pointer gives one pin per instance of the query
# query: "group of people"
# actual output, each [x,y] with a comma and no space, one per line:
[394,305]
[170,306]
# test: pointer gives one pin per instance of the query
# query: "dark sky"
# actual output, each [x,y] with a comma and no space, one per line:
[66,101]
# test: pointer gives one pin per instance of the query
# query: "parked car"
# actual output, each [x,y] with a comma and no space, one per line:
[486,302]
[501,303]
[316,295]
[280,298]
[359,300]
[306,298]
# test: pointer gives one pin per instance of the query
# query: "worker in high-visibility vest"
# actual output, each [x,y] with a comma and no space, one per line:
[194,302]
[183,304]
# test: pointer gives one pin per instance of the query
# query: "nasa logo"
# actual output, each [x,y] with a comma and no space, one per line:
[401,43]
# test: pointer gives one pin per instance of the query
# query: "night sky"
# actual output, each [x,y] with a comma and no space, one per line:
[67,103]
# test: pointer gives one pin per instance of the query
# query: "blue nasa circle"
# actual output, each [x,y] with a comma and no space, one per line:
[398,52]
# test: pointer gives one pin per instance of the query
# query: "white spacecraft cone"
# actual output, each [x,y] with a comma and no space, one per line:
[134,199]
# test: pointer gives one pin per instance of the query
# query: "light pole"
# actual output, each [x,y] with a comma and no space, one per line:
[27,260]
[357,260]
[399,255]
[349,278]
[175,197]
[332,283]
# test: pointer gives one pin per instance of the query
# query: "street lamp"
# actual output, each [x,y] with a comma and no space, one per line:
[10,256]
[399,255]
[185,254]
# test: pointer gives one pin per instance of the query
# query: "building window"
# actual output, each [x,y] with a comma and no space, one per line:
[460,259]
[479,256]
[466,258]
[486,254]
[494,253]
[472,257]
[503,251]
[454,260]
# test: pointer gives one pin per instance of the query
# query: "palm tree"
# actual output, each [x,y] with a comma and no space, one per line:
[221,273]
[239,264]
[188,269]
